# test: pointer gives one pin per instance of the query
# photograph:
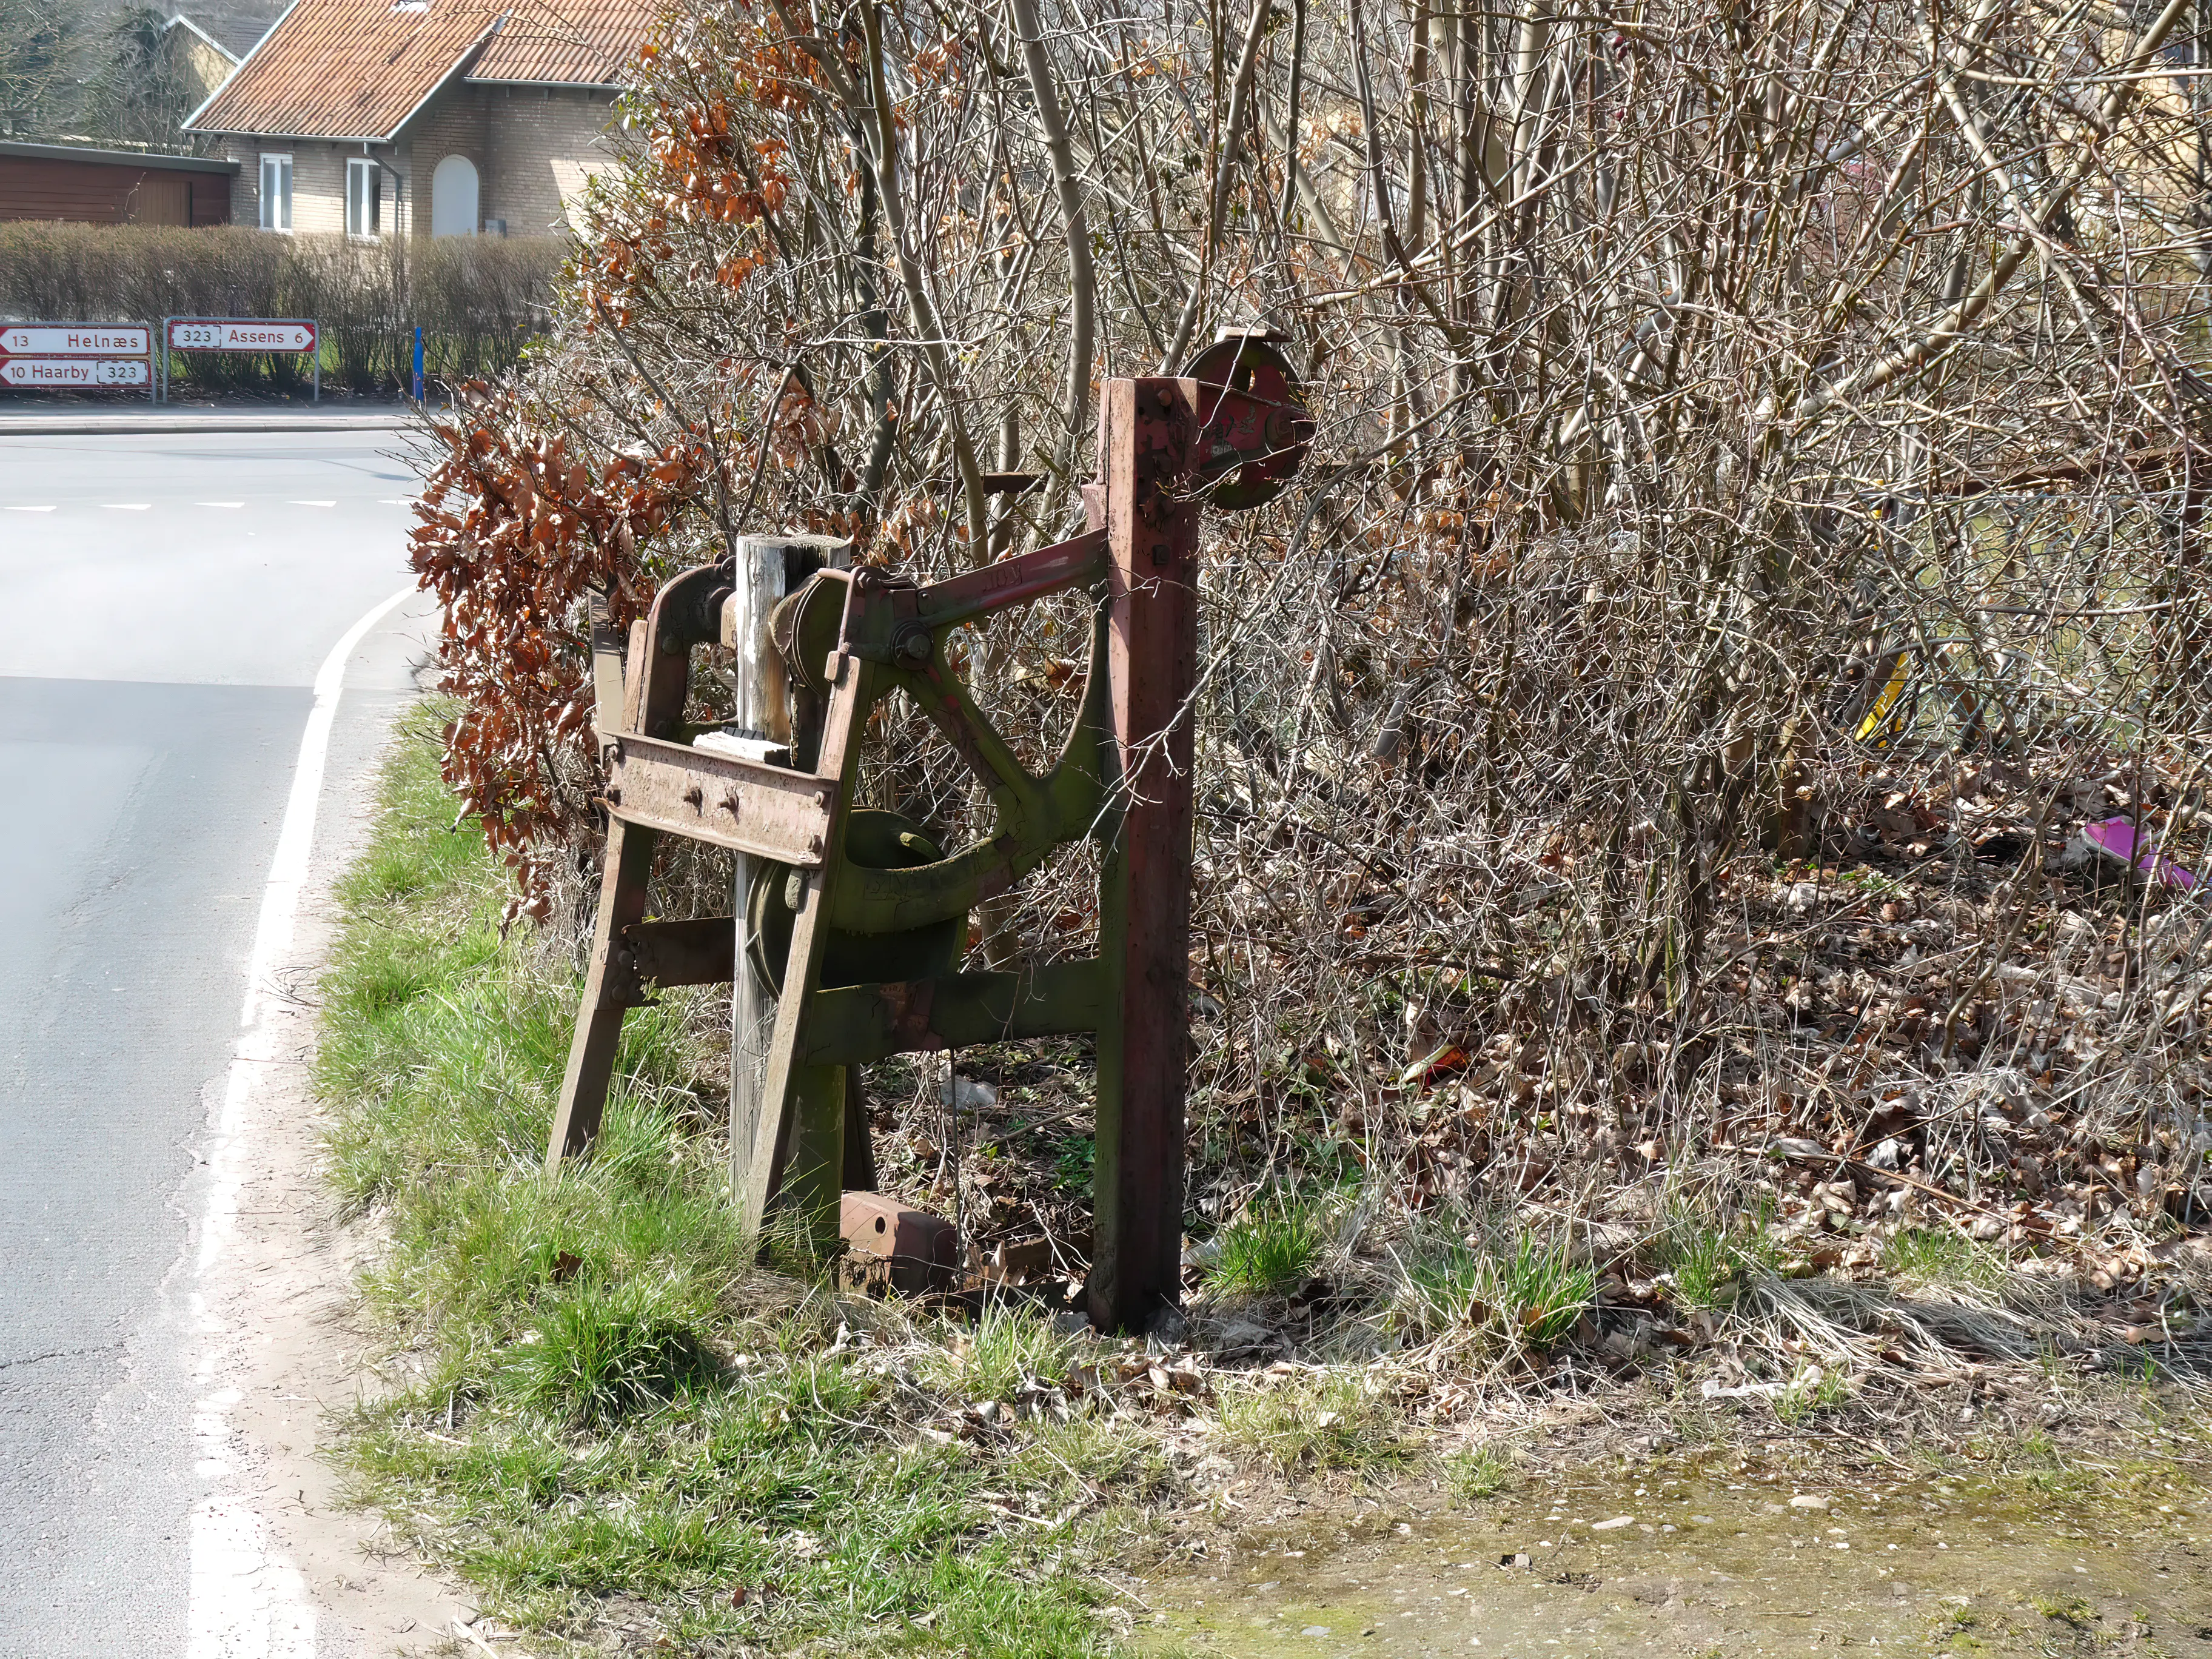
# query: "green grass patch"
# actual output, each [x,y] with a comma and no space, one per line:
[1271,1249]
[1322,1425]
[1517,1290]
[609,1407]
[1010,1347]
[1479,1472]
[1942,1256]
[1704,1260]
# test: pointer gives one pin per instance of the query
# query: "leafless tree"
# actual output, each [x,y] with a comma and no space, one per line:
[1742,428]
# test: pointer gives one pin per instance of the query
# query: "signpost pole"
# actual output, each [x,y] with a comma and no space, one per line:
[418,362]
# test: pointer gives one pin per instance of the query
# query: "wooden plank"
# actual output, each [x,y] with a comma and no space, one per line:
[848,1025]
[1145,427]
[626,869]
[600,1016]
[768,568]
[700,950]
[798,1143]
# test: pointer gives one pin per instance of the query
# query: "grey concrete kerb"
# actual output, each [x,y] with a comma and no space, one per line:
[59,424]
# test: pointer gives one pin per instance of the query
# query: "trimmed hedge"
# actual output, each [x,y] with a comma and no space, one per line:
[478,300]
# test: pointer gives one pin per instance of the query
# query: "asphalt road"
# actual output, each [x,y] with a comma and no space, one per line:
[168,600]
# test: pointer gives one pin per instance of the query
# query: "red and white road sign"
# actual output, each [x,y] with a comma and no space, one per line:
[64,372]
[74,340]
[240,334]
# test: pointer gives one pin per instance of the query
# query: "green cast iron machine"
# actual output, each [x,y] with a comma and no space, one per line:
[846,944]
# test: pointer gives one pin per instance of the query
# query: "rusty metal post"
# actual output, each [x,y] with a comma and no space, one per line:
[1146,429]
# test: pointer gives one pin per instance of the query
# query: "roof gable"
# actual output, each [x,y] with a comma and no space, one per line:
[359,68]
[181,22]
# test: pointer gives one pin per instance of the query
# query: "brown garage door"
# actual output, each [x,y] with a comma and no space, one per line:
[161,198]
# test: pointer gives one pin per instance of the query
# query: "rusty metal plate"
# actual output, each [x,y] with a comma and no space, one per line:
[910,1251]
[766,810]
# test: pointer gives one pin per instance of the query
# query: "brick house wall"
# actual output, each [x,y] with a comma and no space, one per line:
[318,181]
[453,122]
[534,130]
[522,139]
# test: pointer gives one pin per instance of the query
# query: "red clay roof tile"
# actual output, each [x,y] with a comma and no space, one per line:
[572,42]
[358,68]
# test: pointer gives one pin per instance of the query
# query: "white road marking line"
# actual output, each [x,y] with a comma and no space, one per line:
[12,507]
[314,503]
[395,501]
[218,503]
[126,506]
[244,1602]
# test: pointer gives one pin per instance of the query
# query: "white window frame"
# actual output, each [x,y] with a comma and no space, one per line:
[276,204]
[360,167]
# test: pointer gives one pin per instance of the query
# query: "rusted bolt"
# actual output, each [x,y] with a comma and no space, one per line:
[729,803]
[1161,553]
[614,796]
[694,796]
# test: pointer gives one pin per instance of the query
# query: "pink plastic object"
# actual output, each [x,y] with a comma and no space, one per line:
[2116,838]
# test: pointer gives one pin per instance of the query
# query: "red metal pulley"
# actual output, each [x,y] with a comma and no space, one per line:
[1254,427]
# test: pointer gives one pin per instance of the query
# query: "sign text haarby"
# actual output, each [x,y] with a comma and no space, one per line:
[66,372]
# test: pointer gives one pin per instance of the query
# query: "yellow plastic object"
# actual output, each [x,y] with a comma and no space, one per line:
[1887,700]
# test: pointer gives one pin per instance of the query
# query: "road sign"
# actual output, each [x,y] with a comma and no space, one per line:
[240,334]
[63,372]
[74,339]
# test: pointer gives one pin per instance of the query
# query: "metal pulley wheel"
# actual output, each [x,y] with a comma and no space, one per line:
[804,629]
[874,840]
[1255,428]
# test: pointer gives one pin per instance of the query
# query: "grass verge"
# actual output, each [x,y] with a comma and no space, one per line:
[606,1420]
[623,1435]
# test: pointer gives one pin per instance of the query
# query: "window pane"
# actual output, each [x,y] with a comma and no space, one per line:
[277,192]
[364,188]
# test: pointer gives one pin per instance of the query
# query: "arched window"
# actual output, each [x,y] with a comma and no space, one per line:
[453,197]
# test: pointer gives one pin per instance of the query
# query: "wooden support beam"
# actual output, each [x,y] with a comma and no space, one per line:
[797,1156]
[850,1023]
[768,567]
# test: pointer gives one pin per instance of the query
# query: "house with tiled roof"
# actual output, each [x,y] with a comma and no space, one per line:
[422,117]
